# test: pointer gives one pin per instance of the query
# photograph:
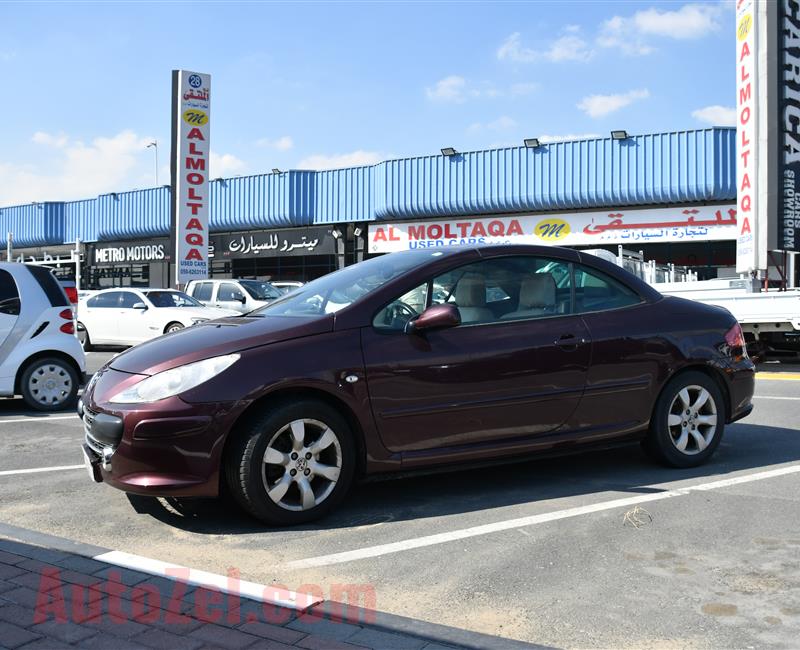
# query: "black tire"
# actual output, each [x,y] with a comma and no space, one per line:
[86,342]
[662,440]
[244,467]
[53,366]
[173,327]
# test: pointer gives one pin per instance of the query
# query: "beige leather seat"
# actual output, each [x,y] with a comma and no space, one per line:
[471,300]
[537,297]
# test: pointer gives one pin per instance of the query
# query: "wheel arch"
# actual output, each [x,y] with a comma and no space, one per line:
[715,374]
[170,324]
[289,394]
[44,354]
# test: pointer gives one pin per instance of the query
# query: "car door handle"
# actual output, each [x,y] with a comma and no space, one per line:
[569,341]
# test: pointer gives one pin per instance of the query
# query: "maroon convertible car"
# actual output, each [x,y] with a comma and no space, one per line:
[416,359]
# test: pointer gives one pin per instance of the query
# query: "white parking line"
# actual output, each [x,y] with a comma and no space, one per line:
[773,397]
[464,533]
[271,594]
[36,470]
[42,418]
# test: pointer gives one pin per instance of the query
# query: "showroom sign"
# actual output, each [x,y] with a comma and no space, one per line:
[697,223]
[274,243]
[190,161]
[127,254]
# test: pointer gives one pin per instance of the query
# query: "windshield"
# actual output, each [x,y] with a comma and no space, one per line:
[171,299]
[337,290]
[260,290]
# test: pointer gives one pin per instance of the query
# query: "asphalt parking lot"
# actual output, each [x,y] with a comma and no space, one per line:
[539,551]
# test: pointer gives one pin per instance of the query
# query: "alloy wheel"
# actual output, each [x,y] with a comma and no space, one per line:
[692,420]
[301,465]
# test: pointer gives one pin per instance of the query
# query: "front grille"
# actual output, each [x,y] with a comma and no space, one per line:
[95,445]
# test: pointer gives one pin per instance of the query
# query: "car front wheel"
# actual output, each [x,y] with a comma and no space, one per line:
[293,463]
[688,421]
[49,384]
[173,327]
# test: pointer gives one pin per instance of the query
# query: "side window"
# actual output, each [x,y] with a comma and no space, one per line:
[9,295]
[506,288]
[596,291]
[104,300]
[202,291]
[229,292]
[128,300]
[401,310]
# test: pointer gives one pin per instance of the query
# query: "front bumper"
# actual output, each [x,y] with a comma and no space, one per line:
[168,448]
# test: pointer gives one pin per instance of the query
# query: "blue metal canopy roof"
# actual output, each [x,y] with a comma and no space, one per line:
[676,167]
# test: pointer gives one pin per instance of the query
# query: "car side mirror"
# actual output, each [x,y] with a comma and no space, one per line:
[242,299]
[434,317]
[140,305]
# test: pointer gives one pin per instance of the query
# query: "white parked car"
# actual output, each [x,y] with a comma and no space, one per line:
[242,296]
[128,316]
[285,286]
[40,358]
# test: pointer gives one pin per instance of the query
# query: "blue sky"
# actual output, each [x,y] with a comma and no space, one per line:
[85,86]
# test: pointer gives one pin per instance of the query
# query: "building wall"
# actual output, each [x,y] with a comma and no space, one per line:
[676,167]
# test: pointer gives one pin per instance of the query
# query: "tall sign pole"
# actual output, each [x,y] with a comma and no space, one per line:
[189,158]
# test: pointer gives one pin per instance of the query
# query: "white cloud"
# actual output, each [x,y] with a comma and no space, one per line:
[568,47]
[72,169]
[601,105]
[546,139]
[284,143]
[356,158]
[523,88]
[449,89]
[502,123]
[224,164]
[716,115]
[630,34]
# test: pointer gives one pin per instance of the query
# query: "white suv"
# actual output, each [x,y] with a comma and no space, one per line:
[240,295]
[40,358]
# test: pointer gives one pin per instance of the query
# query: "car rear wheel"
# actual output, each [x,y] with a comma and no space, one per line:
[49,384]
[83,337]
[292,463]
[173,327]
[688,421]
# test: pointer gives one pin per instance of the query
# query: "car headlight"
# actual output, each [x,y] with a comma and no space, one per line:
[198,320]
[174,381]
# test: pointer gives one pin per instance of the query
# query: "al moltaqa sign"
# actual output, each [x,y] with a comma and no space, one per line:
[697,223]
[190,159]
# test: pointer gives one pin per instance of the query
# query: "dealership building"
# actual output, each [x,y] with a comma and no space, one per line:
[671,196]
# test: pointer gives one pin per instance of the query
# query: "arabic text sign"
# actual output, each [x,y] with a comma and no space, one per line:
[191,190]
[274,243]
[631,227]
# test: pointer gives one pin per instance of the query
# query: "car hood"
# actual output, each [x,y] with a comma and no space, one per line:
[215,338]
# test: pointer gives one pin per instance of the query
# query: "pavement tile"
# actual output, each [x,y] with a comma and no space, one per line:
[5,586]
[386,640]
[11,558]
[108,626]
[324,628]
[166,621]
[15,614]
[124,576]
[224,637]
[109,642]
[8,571]
[80,563]
[163,640]
[273,632]
[48,644]
[14,636]
[33,552]
[67,632]
[312,642]
[20,596]
[439,646]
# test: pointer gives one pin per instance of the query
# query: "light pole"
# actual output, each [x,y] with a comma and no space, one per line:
[154,144]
